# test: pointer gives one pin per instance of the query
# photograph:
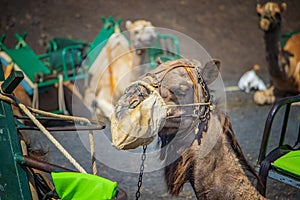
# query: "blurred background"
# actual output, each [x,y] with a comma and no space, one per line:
[228,30]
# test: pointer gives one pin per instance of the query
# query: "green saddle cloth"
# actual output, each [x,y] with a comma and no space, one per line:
[78,186]
[289,162]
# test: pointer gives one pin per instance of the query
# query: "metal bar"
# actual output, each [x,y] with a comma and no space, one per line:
[13,180]
[66,128]
[298,138]
[284,125]
[12,81]
[40,165]
[21,40]
[48,118]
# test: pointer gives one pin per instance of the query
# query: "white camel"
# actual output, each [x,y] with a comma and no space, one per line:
[117,65]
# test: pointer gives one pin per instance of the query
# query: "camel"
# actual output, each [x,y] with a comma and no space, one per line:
[113,68]
[283,62]
[198,143]
[117,65]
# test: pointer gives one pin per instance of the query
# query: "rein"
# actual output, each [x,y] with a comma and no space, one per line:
[110,70]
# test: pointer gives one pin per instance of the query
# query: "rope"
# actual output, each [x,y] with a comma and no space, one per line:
[35,98]
[61,98]
[27,110]
[211,107]
[110,70]
[51,138]
[152,90]
[64,117]
[92,148]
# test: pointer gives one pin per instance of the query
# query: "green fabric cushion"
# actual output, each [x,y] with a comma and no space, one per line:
[28,61]
[289,162]
[78,186]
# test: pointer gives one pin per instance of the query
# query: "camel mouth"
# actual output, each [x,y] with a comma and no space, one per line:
[138,117]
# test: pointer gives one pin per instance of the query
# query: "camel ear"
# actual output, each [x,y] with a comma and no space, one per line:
[211,70]
[128,24]
[283,6]
[259,9]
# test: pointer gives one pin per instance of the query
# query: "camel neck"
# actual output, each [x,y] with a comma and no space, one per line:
[228,181]
[238,186]
[273,49]
[220,174]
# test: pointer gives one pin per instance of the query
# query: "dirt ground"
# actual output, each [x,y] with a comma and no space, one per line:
[228,30]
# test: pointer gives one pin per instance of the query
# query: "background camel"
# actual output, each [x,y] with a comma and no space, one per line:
[198,144]
[117,65]
[283,62]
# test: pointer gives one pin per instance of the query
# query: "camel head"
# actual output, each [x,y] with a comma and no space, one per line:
[142,33]
[270,15]
[171,100]
[174,103]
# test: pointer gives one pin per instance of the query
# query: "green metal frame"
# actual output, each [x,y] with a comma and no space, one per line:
[63,56]
[37,68]
[108,28]
[276,173]
[165,47]
[13,179]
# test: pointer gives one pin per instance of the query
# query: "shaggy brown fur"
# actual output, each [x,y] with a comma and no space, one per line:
[284,63]
[218,175]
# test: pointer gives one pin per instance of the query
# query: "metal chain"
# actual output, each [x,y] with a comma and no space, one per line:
[138,193]
[205,109]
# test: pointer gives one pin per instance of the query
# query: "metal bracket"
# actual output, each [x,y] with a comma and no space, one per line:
[12,81]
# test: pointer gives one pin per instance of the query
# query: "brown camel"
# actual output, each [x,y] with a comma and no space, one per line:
[198,144]
[283,63]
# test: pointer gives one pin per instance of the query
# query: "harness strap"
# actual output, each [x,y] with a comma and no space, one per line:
[187,65]
[110,70]
[181,63]
[168,68]
[196,92]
